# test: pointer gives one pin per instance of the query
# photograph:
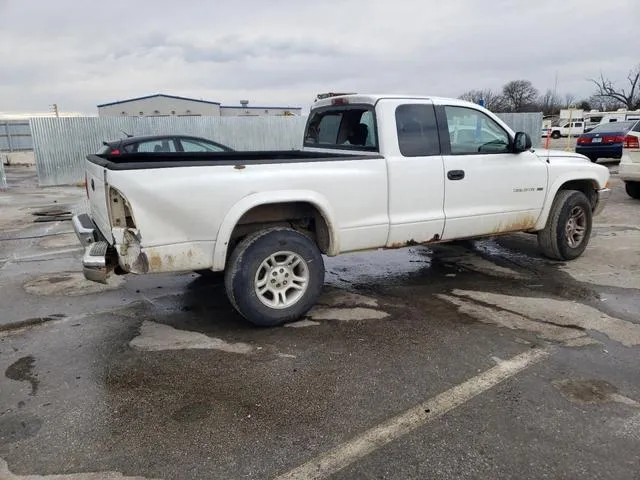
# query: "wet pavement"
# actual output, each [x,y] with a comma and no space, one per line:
[470,360]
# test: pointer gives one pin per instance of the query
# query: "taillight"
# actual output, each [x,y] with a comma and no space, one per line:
[583,140]
[86,184]
[613,139]
[631,142]
[115,151]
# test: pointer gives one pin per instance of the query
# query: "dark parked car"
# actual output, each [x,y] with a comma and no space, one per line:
[605,141]
[161,144]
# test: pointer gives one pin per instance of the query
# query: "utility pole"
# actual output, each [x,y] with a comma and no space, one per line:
[55,110]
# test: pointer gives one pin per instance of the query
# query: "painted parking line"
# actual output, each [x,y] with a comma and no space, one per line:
[400,425]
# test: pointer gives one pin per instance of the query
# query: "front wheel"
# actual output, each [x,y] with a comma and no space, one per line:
[274,276]
[633,189]
[555,135]
[568,228]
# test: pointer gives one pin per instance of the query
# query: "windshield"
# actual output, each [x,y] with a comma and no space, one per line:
[613,127]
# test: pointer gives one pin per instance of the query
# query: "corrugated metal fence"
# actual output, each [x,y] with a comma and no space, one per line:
[3,178]
[62,144]
[15,136]
[525,122]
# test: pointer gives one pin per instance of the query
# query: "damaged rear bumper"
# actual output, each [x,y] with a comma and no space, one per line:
[96,264]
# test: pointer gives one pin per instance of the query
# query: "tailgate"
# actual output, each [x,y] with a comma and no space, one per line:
[96,187]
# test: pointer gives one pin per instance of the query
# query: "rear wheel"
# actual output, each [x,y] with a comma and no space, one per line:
[633,189]
[274,276]
[568,228]
[593,159]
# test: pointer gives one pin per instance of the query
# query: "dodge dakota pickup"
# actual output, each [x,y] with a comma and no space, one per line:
[374,172]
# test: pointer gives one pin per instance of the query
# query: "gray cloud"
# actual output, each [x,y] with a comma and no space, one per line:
[285,51]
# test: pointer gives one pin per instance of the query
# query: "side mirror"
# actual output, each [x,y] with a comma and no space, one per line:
[522,142]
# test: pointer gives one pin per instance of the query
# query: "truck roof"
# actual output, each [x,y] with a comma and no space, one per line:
[374,98]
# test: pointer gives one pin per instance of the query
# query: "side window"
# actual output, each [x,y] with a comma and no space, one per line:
[368,121]
[471,131]
[637,127]
[157,146]
[196,146]
[417,130]
[350,128]
[577,124]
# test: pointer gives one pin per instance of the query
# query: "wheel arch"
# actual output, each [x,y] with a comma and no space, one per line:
[588,185]
[258,204]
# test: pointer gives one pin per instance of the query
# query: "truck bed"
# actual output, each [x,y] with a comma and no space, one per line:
[141,161]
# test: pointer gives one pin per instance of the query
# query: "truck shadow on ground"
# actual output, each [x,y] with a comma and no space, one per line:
[510,265]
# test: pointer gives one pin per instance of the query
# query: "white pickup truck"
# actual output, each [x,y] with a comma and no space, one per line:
[375,172]
[574,128]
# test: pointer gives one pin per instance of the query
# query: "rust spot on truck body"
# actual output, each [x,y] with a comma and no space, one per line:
[413,243]
[522,224]
[155,263]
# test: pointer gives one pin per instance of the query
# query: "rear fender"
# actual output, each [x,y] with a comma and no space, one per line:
[264,198]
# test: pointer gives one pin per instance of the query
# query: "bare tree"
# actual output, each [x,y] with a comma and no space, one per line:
[584,105]
[604,104]
[569,99]
[630,97]
[519,95]
[492,100]
[549,103]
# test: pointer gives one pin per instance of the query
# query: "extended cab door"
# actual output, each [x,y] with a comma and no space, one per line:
[488,189]
[415,171]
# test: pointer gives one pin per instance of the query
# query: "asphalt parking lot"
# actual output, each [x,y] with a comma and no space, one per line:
[474,360]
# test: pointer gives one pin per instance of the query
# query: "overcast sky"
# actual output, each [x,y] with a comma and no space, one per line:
[82,53]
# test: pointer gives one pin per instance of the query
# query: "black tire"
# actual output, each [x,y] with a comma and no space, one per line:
[553,239]
[633,189]
[593,159]
[555,134]
[249,257]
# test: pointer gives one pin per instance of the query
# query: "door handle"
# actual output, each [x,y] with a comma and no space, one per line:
[455,174]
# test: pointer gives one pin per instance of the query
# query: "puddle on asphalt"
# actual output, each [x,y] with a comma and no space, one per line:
[591,392]
[542,316]
[14,428]
[70,284]
[22,371]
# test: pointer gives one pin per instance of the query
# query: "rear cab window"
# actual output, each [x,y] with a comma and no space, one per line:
[348,127]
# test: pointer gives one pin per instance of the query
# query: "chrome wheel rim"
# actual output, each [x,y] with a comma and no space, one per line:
[282,280]
[576,227]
